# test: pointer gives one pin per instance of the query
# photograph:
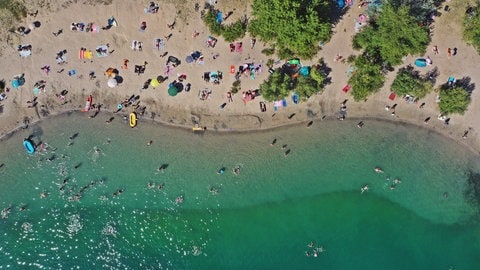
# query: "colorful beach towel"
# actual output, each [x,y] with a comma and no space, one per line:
[239,47]
[279,103]
[158,44]
[102,51]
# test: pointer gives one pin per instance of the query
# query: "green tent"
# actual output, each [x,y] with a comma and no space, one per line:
[172,91]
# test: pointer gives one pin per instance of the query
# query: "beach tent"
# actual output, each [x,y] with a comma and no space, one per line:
[112,82]
[294,61]
[172,90]
[304,71]
[175,61]
[18,81]
[421,62]
[112,21]
[340,3]
[219,18]
[154,82]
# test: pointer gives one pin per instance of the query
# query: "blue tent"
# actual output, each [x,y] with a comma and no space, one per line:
[17,82]
[304,71]
[219,17]
[340,3]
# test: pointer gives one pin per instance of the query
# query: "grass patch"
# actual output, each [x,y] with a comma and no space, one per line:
[16,8]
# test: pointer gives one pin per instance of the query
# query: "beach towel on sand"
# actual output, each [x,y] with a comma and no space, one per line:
[102,51]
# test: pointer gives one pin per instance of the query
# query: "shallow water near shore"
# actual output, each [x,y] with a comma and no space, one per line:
[264,217]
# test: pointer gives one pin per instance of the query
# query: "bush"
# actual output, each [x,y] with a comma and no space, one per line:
[454,100]
[409,82]
[280,84]
[269,51]
[236,86]
[230,32]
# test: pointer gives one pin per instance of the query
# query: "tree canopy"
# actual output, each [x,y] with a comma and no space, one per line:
[367,78]
[454,100]
[392,35]
[418,9]
[409,82]
[471,27]
[281,83]
[296,26]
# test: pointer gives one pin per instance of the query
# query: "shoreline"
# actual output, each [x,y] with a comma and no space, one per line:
[291,124]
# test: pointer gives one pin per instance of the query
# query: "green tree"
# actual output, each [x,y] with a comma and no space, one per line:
[296,26]
[392,35]
[305,87]
[418,9]
[471,27]
[276,86]
[454,100]
[317,76]
[408,82]
[367,79]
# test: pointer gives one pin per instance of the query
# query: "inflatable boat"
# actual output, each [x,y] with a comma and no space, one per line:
[133,119]
[29,147]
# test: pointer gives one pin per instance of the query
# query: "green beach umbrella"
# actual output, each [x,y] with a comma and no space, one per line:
[172,91]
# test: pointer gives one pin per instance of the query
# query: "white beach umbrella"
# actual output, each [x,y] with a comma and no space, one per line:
[112,82]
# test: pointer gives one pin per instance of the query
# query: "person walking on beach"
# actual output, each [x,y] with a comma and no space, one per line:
[449,52]
[435,49]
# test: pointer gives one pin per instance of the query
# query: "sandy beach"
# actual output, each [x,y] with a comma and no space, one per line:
[186,108]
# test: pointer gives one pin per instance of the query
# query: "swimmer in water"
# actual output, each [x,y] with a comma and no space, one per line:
[284,146]
[273,142]
[236,170]
[287,152]
[118,192]
[161,186]
[221,171]
[150,185]
[43,195]
[22,208]
[149,143]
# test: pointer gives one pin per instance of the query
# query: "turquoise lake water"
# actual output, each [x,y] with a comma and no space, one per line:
[277,210]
